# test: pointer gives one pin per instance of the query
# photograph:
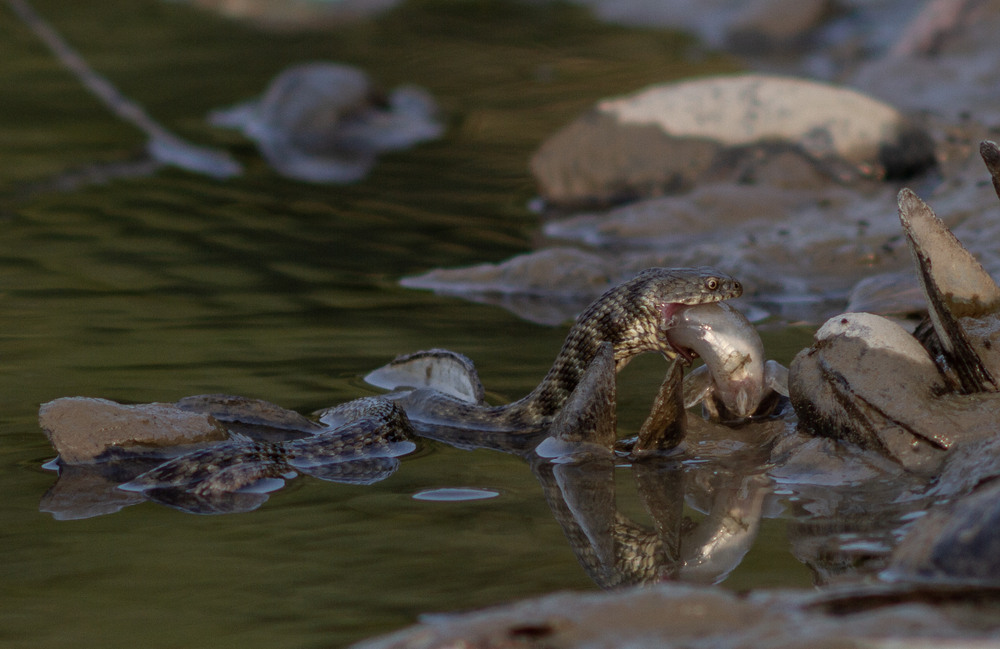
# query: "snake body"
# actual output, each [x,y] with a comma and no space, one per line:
[377,432]
[634,317]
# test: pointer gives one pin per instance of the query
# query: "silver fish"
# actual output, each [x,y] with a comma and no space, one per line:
[735,372]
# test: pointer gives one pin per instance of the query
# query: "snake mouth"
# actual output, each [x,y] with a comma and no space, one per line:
[669,318]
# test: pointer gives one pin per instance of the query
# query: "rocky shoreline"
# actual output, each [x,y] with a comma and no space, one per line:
[779,195]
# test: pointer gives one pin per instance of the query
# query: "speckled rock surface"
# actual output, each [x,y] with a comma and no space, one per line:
[82,428]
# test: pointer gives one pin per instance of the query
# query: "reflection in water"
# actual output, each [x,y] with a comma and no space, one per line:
[273,444]
[618,551]
[704,499]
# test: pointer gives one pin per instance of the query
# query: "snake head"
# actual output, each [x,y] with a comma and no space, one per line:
[676,289]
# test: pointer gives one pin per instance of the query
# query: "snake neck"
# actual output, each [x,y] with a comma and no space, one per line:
[631,328]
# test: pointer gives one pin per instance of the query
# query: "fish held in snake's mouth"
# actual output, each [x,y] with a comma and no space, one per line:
[736,374]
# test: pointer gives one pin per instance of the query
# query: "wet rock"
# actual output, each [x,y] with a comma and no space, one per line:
[81,429]
[549,286]
[667,137]
[963,300]
[706,618]
[868,381]
[796,254]
[327,122]
[777,25]
[955,542]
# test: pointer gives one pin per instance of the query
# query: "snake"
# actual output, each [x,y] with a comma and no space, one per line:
[635,316]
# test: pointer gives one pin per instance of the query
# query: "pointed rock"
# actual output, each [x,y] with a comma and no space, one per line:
[962,297]
[991,156]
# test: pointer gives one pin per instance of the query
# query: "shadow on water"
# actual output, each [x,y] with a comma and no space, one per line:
[154,287]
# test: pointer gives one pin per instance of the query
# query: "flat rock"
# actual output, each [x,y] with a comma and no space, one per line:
[673,615]
[668,137]
[82,428]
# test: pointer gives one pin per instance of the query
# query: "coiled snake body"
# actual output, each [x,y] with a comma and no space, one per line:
[634,317]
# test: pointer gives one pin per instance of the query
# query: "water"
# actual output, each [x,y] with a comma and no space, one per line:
[154,288]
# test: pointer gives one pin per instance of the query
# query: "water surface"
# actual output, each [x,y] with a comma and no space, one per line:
[151,288]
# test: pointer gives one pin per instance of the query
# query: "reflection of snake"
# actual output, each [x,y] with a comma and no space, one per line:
[634,317]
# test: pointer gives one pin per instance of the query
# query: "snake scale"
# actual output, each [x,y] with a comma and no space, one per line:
[634,317]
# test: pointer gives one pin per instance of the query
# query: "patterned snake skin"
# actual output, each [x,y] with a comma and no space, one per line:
[634,317]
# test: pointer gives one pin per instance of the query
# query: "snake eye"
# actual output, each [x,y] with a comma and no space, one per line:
[712,283]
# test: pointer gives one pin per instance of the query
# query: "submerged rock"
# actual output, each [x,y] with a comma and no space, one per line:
[327,122]
[81,429]
[669,137]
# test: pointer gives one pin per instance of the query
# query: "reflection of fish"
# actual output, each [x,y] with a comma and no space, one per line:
[735,375]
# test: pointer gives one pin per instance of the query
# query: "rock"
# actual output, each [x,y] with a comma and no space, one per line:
[81,429]
[777,25]
[326,122]
[945,62]
[956,541]
[549,286]
[868,381]
[673,615]
[546,271]
[963,300]
[599,159]
[667,137]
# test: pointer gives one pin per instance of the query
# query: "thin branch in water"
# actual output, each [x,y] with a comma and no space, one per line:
[163,146]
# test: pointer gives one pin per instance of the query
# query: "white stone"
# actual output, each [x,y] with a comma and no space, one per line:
[744,109]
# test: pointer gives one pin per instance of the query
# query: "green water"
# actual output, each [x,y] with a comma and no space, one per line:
[154,288]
